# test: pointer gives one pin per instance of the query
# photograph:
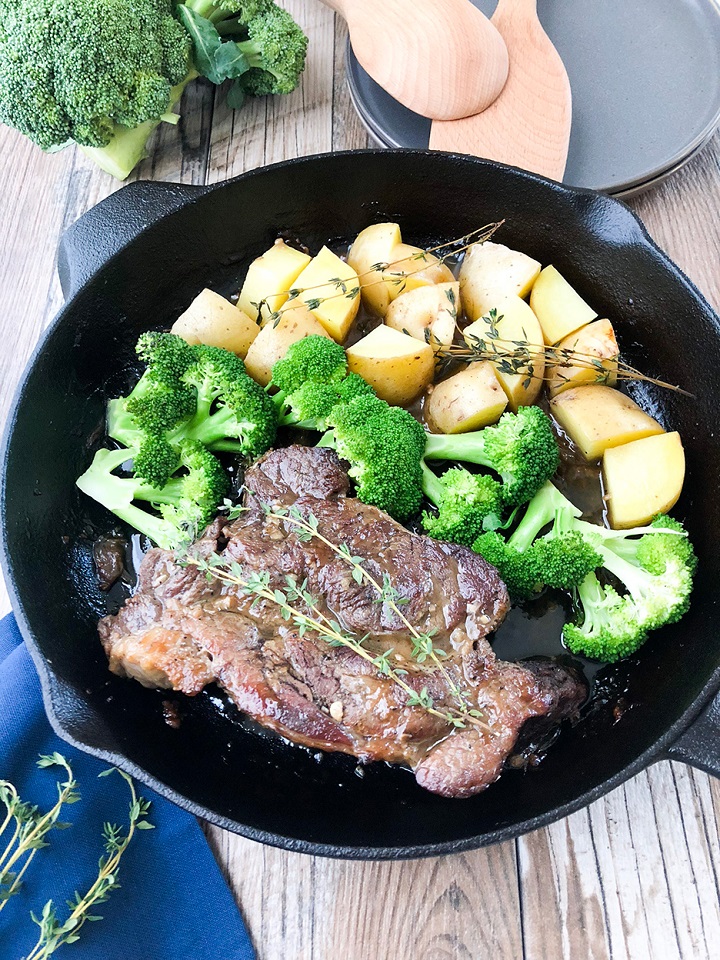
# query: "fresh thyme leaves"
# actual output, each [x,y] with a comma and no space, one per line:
[519,357]
[31,827]
[306,528]
[29,833]
[54,932]
[442,252]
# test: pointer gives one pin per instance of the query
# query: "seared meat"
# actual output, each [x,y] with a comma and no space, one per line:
[182,631]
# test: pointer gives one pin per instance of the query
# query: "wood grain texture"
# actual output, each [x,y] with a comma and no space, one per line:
[636,874]
[439,60]
[529,124]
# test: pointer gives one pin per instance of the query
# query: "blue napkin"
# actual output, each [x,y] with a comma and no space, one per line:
[173,902]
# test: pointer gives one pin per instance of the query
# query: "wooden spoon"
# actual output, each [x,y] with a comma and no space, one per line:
[442,60]
[529,124]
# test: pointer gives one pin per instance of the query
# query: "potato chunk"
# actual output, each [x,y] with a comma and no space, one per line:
[213,320]
[273,341]
[515,324]
[643,478]
[426,313]
[269,278]
[411,267]
[598,353]
[327,284]
[374,245]
[469,400]
[560,310]
[597,418]
[398,366]
[492,270]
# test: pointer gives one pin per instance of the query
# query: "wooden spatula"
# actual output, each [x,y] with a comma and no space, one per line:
[440,59]
[529,123]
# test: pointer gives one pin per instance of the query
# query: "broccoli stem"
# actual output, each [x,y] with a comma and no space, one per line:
[128,145]
[432,486]
[460,446]
[547,505]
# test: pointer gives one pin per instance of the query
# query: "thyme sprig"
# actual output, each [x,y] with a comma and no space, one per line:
[520,357]
[423,647]
[31,827]
[290,601]
[55,933]
[398,278]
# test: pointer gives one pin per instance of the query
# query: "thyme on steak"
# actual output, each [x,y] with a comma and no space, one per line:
[29,835]
[291,599]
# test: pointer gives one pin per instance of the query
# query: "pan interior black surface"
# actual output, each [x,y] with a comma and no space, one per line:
[228,771]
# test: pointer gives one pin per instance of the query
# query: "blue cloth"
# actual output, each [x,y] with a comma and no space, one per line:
[173,903]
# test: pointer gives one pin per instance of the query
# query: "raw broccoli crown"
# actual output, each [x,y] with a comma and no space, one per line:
[467,505]
[72,69]
[214,372]
[255,415]
[156,459]
[384,446]
[314,359]
[276,48]
[159,406]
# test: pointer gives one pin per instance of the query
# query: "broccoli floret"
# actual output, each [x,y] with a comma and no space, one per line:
[91,71]
[186,503]
[384,446]
[516,568]
[610,628]
[521,448]
[467,505]
[310,405]
[313,359]
[275,50]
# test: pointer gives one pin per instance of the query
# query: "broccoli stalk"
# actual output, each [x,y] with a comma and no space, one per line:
[521,448]
[186,503]
[467,505]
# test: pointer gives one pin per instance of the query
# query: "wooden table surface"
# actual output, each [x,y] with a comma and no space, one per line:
[634,875]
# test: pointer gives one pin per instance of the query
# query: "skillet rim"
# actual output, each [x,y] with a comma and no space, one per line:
[191,194]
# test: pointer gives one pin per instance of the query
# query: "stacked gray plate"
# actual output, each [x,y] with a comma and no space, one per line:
[645,76]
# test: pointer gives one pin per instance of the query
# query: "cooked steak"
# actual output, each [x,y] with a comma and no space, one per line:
[182,631]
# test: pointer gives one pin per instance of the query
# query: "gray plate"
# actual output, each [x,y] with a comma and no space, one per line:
[645,76]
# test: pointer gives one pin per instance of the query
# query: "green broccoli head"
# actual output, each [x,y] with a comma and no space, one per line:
[609,627]
[384,446]
[517,569]
[310,406]
[275,49]
[72,70]
[521,448]
[313,359]
[468,504]
[564,561]
[167,356]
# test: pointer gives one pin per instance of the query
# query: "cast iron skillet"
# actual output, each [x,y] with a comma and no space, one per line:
[135,261]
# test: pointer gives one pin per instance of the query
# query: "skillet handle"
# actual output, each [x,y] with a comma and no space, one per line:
[699,745]
[112,224]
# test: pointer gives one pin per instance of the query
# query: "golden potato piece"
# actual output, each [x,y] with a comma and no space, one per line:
[426,313]
[411,267]
[269,278]
[398,366]
[643,478]
[491,270]
[328,284]
[597,418]
[372,246]
[515,323]
[273,341]
[469,400]
[597,358]
[213,320]
[560,310]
